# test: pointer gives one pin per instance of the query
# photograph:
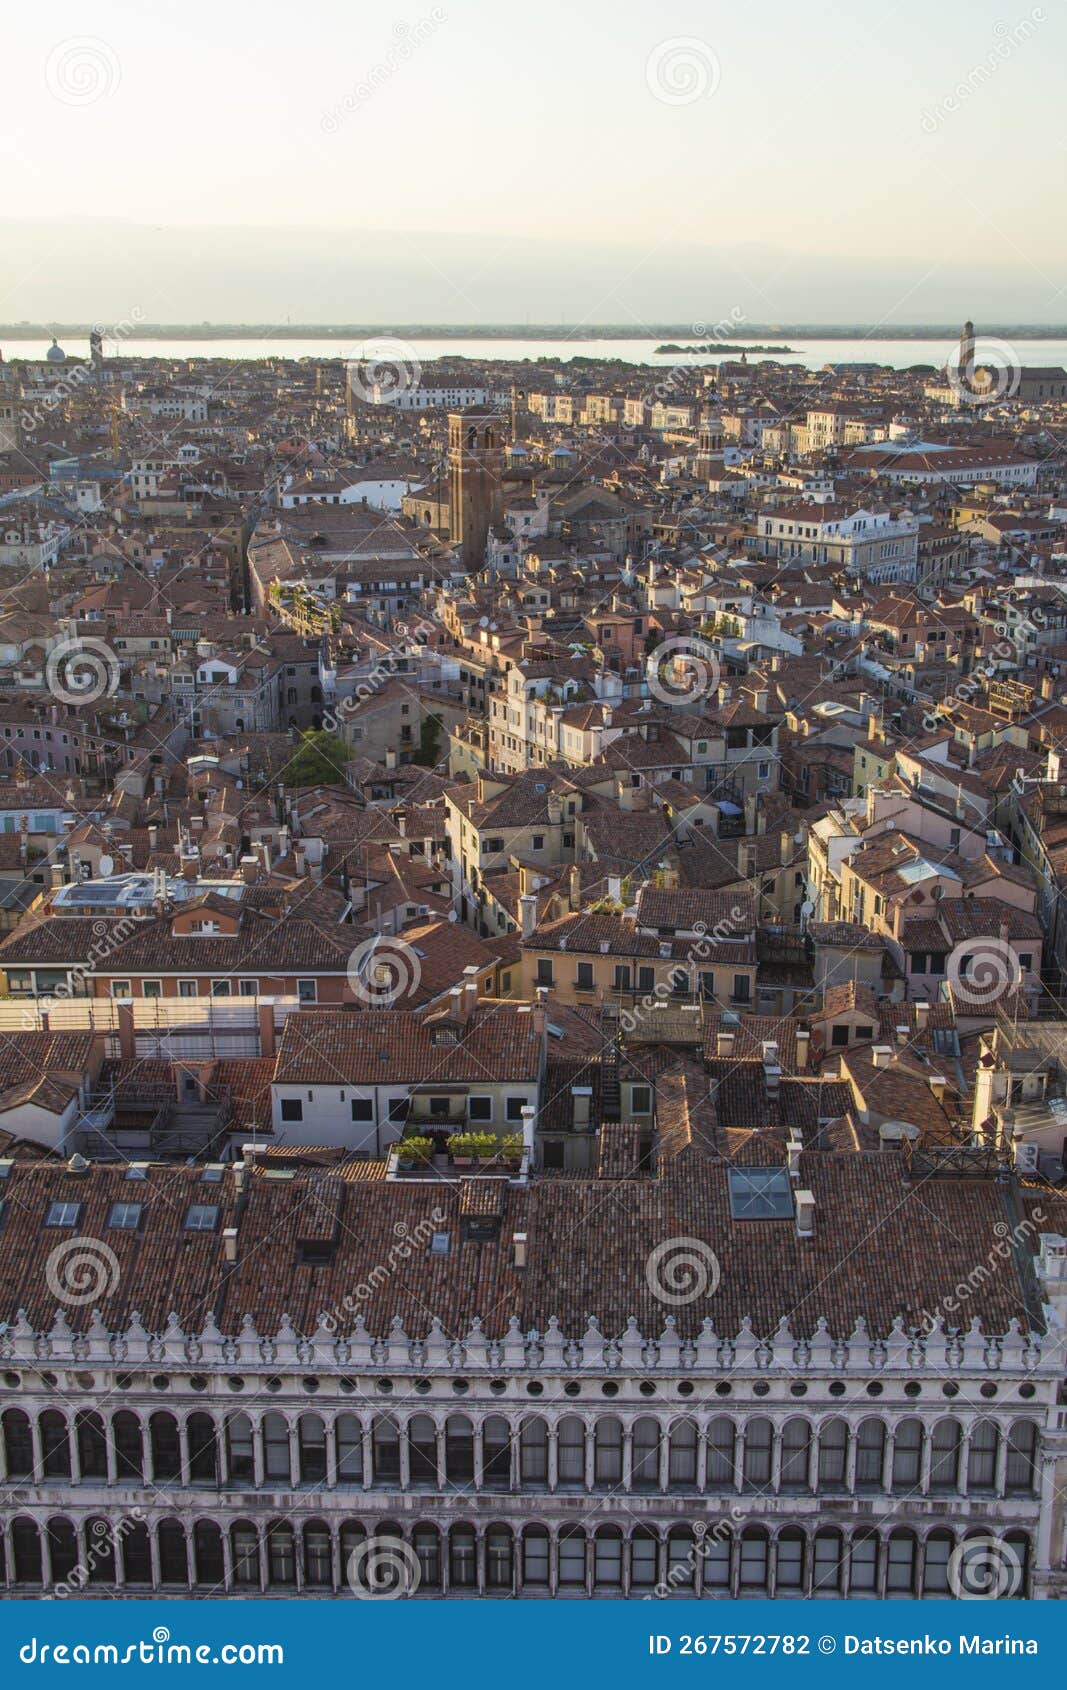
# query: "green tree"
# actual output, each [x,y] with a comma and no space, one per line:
[320,761]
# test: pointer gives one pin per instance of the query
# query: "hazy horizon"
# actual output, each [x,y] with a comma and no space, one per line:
[608,165]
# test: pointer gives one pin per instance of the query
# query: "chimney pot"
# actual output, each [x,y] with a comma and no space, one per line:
[881,1055]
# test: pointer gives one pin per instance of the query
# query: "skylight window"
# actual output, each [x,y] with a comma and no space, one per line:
[201,1217]
[760,1194]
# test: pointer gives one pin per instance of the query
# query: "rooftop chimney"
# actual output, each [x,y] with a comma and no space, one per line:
[470,986]
[794,1146]
[229,1244]
[518,1239]
[937,1086]
[528,913]
[529,1117]
[724,1044]
[922,1014]
[881,1055]
[803,1038]
[805,1211]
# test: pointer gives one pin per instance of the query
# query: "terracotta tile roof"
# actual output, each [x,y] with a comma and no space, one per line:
[394,1047]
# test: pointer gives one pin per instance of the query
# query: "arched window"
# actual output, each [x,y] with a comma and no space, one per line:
[26,1548]
[240,1456]
[833,1455]
[203,1452]
[386,1445]
[1020,1471]
[62,1550]
[937,1552]
[982,1456]
[276,1463]
[789,1565]
[682,1457]
[826,1561]
[166,1452]
[718,1551]
[681,1559]
[945,1455]
[900,1564]
[208,1564]
[571,1551]
[722,1474]
[496,1453]
[99,1550]
[311,1440]
[759,1435]
[535,1544]
[92,1444]
[244,1547]
[427,1544]
[353,1537]
[646,1454]
[462,1558]
[18,1445]
[55,1445]
[754,1548]
[422,1450]
[870,1454]
[126,1437]
[349,1450]
[863,1563]
[533,1452]
[644,1559]
[1017,1548]
[281,1553]
[607,1453]
[570,1451]
[499,1558]
[136,1554]
[173,1560]
[318,1559]
[459,1450]
[907,1455]
[607,1558]
[796,1448]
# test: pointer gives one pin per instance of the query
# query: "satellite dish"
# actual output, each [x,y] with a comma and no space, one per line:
[484,622]
[452,916]
[107,865]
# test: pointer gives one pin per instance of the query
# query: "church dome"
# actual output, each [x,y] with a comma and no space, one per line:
[56,354]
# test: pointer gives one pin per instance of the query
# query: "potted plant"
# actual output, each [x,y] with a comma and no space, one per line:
[461,1149]
[416,1149]
[513,1149]
[484,1146]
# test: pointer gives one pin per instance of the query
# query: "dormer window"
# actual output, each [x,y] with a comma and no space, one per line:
[445,1036]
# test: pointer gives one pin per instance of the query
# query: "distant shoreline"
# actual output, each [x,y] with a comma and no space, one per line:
[520,331]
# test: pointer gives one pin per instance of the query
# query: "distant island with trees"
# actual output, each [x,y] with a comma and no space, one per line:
[720,346]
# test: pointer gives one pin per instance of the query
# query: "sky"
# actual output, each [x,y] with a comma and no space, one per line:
[605,161]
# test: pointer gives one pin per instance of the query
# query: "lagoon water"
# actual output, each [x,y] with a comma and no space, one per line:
[812,354]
